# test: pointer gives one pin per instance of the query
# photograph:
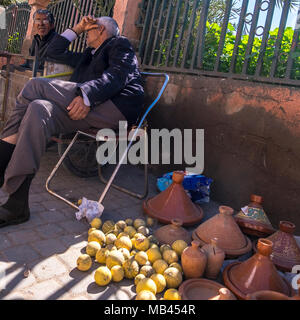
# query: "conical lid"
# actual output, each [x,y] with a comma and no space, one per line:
[253,220]
[223,227]
[172,232]
[255,274]
[174,203]
[286,252]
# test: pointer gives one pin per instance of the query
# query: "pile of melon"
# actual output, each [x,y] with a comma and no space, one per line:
[127,249]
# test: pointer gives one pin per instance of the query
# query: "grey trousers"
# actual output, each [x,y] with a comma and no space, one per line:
[40,113]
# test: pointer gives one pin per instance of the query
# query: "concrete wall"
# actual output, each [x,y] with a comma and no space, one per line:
[252,140]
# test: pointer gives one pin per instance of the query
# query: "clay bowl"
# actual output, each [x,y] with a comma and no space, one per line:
[286,252]
[229,252]
[256,228]
[203,289]
[269,295]
[255,274]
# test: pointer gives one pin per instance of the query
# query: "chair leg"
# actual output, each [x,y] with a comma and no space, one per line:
[54,171]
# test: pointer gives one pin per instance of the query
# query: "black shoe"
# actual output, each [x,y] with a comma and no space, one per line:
[6,151]
[16,208]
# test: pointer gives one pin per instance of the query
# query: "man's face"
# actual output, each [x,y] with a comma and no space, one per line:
[42,25]
[93,37]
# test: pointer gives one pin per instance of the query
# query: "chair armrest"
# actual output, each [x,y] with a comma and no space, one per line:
[63,74]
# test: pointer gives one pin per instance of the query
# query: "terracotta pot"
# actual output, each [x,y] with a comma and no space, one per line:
[193,261]
[203,289]
[272,295]
[286,252]
[174,203]
[172,232]
[255,274]
[253,220]
[223,227]
[215,258]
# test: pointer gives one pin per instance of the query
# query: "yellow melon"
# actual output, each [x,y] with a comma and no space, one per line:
[147,271]
[138,278]
[110,238]
[172,294]
[92,248]
[178,246]
[102,276]
[173,277]
[164,247]
[145,295]
[141,257]
[114,258]
[142,243]
[97,235]
[123,242]
[146,284]
[170,256]
[96,223]
[139,222]
[129,222]
[108,225]
[101,255]
[131,268]
[160,266]
[160,281]
[121,224]
[130,230]
[84,262]
[176,265]
[153,254]
[117,273]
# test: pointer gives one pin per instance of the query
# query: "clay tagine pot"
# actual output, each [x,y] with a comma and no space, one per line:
[215,258]
[172,232]
[174,203]
[255,274]
[286,252]
[204,289]
[193,261]
[272,295]
[223,227]
[253,220]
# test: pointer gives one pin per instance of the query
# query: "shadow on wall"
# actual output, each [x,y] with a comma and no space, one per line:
[251,139]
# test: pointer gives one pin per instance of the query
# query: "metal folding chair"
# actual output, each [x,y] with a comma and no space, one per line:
[93,133]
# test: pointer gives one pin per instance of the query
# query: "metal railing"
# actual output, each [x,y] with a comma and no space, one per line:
[17,17]
[243,39]
[66,15]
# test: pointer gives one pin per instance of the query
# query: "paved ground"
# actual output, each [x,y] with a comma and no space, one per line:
[50,242]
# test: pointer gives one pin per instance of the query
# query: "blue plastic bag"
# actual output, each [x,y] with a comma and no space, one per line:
[196,185]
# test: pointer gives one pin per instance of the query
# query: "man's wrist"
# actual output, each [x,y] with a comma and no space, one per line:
[77,29]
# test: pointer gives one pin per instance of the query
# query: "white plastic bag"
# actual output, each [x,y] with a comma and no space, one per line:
[89,209]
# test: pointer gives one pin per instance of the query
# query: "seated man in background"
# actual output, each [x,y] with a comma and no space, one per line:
[105,88]
[43,24]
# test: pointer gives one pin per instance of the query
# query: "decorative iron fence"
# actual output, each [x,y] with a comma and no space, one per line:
[17,17]
[69,12]
[232,38]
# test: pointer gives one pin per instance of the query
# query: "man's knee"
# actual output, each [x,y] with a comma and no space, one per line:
[33,87]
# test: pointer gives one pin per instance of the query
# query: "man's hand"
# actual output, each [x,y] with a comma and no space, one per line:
[77,109]
[85,24]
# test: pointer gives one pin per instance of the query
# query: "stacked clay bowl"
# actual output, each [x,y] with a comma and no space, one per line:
[223,227]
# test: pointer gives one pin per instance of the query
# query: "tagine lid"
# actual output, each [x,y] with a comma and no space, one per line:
[223,227]
[286,252]
[174,203]
[172,232]
[255,274]
[204,289]
[253,219]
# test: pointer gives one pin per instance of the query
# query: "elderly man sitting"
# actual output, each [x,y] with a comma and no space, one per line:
[105,88]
